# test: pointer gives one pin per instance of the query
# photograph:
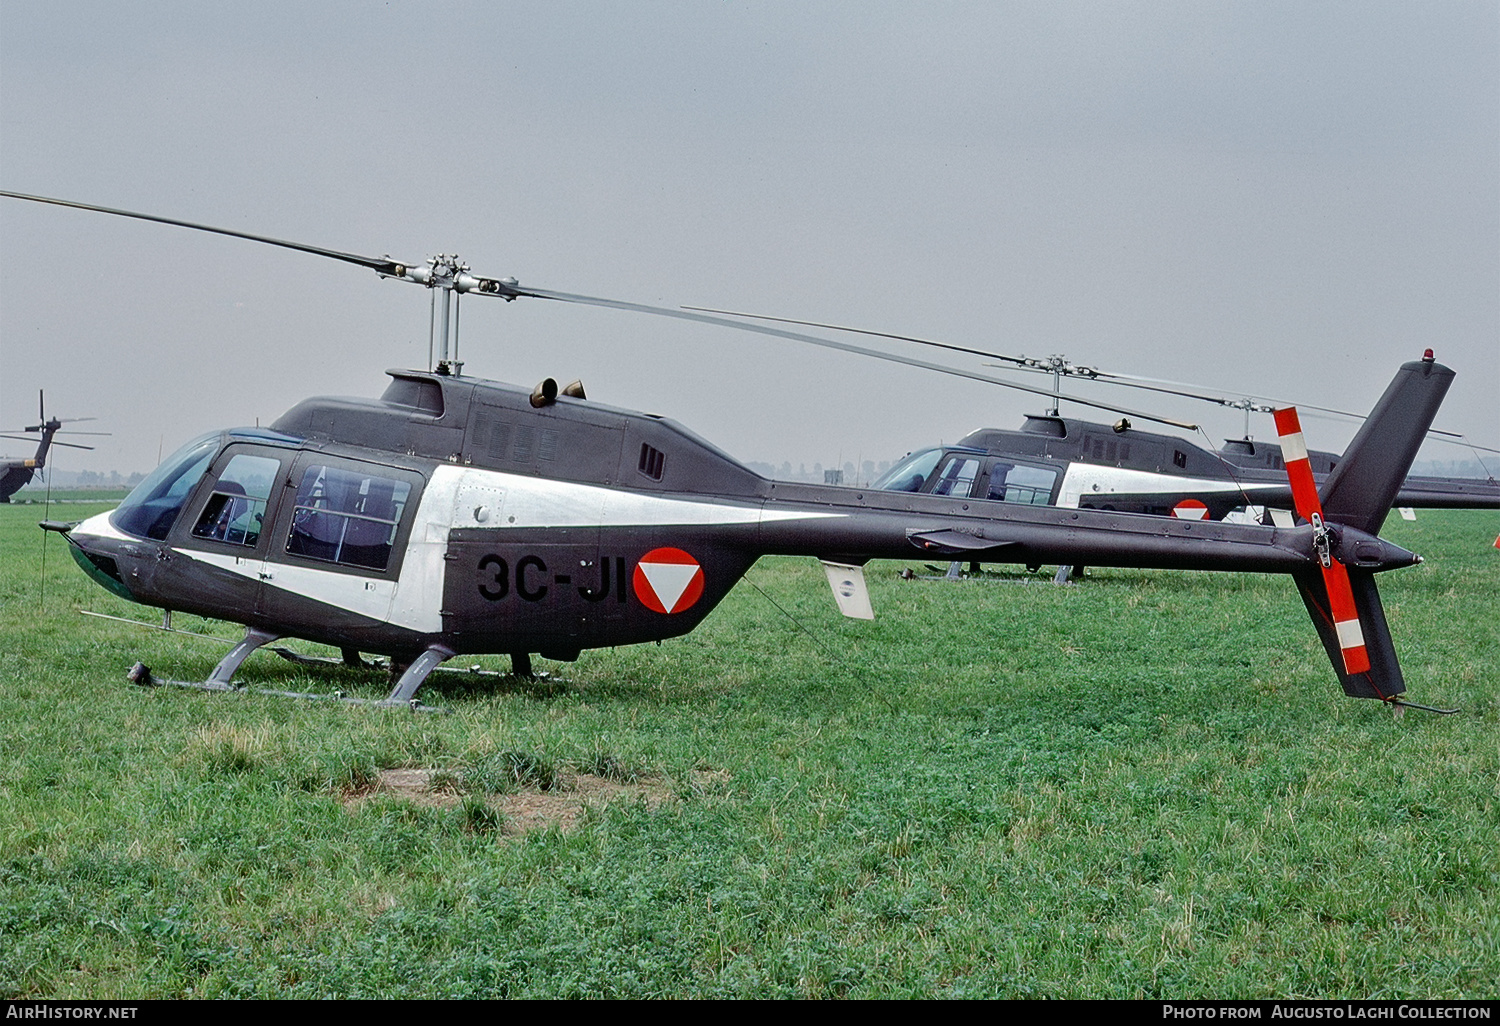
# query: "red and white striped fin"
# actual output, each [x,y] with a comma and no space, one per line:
[1298,467]
[1335,578]
[1346,618]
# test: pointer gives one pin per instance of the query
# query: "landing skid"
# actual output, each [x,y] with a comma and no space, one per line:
[165,625]
[141,674]
[403,694]
[987,576]
[352,660]
[411,675]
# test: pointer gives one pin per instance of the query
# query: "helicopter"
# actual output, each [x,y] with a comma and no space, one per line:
[17,474]
[1082,464]
[1065,461]
[456,515]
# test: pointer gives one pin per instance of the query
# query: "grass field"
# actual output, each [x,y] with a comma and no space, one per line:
[1148,785]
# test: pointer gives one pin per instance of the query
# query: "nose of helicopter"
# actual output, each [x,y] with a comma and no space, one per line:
[95,545]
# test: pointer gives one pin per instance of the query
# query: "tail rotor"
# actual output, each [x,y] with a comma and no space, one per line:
[1340,594]
[1342,611]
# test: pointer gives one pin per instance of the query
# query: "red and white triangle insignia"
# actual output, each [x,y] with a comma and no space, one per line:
[668,580]
[1190,509]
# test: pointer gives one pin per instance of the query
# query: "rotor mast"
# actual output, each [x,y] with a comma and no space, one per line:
[448,277]
[1057,366]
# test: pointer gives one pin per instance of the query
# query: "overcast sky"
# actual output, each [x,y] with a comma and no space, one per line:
[1287,199]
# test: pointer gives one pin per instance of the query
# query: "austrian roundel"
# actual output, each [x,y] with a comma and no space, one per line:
[1190,509]
[668,580]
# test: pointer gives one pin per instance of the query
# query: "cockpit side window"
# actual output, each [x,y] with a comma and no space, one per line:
[347,517]
[151,510]
[236,509]
[909,474]
[957,476]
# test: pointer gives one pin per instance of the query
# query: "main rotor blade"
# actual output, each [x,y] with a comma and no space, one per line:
[455,278]
[700,318]
[1029,365]
[380,265]
[1019,360]
[37,428]
[70,445]
[1033,366]
[1138,381]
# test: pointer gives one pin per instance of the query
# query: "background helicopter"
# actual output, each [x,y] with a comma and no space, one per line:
[1068,461]
[16,474]
[455,515]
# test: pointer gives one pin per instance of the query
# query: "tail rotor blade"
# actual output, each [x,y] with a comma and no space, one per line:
[1298,468]
[1341,605]
[1346,626]
[1381,677]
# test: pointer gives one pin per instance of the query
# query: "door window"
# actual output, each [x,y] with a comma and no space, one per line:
[347,517]
[1020,483]
[236,510]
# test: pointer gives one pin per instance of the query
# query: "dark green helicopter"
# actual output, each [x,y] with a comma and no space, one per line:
[18,473]
[453,516]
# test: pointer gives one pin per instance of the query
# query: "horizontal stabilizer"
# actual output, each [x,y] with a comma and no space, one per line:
[1383,679]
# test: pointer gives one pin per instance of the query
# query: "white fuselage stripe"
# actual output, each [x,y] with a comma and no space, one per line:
[366,596]
[466,497]
[1086,480]
[98,526]
[539,502]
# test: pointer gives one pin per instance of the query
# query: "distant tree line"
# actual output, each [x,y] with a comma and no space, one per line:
[111,481]
[868,471]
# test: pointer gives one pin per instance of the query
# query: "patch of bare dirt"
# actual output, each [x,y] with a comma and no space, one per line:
[527,811]
[418,786]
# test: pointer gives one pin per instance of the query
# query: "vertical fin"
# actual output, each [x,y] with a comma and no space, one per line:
[1362,488]
[1382,679]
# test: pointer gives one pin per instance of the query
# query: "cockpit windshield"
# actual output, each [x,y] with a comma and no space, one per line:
[909,474]
[151,510]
